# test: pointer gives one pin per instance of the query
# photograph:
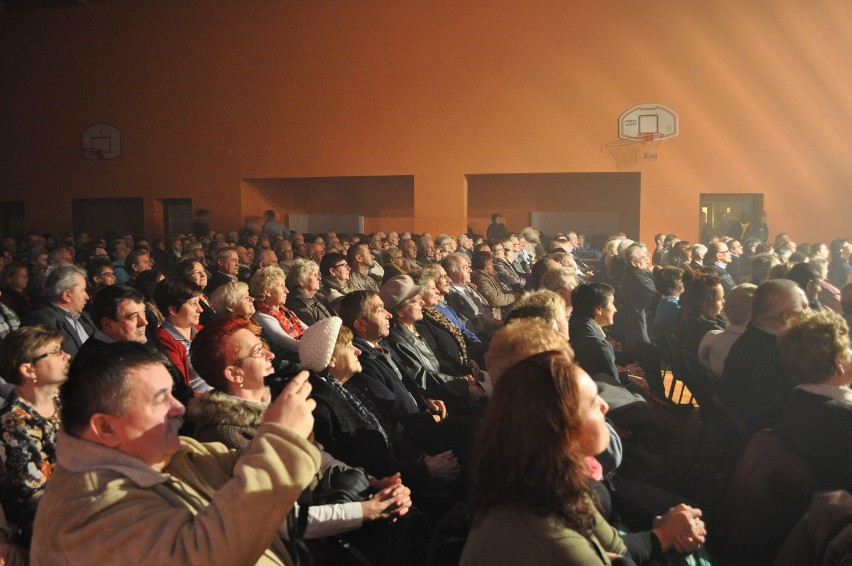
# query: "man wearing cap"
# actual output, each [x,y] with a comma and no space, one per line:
[402,298]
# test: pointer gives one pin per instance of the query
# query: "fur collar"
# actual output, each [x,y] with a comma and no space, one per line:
[215,408]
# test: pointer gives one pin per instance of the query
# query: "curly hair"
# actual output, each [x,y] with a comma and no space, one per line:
[264,279]
[300,272]
[527,452]
[519,339]
[812,345]
[226,296]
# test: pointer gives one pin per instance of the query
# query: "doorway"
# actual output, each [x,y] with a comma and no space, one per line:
[725,211]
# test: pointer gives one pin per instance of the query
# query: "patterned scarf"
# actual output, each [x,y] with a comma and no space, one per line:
[439,319]
[289,322]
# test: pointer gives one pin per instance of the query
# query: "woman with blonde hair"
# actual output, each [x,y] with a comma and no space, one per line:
[269,289]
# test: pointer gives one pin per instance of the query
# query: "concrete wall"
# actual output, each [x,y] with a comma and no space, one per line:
[212,96]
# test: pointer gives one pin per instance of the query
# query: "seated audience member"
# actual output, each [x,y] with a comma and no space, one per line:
[637,294]
[761,265]
[504,255]
[809,281]
[476,344]
[839,268]
[146,282]
[126,485]
[469,304]
[403,299]
[701,312]
[718,258]
[179,301]
[33,360]
[594,310]
[136,262]
[303,298]
[521,338]
[828,295]
[361,261]
[269,289]
[347,426]
[334,270]
[193,270]
[754,383]
[66,297]
[816,421]
[226,269]
[669,283]
[235,362]
[714,347]
[489,285]
[101,273]
[547,415]
[14,287]
[696,256]
[846,303]
[444,338]
[395,263]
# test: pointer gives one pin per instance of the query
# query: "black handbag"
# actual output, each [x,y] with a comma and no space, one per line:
[342,485]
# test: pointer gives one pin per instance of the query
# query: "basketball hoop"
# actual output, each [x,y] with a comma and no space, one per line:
[650,143]
[91,153]
[625,153]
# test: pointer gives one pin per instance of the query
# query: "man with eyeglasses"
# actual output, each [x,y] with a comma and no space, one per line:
[718,257]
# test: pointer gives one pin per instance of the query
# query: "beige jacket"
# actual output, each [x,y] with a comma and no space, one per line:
[103,506]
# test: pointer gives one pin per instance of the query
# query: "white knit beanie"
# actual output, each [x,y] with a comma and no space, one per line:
[317,343]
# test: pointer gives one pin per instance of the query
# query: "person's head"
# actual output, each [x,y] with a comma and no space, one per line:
[65,286]
[119,312]
[118,250]
[638,256]
[594,301]
[364,313]
[147,281]
[495,217]
[465,242]
[137,261]
[402,297]
[192,270]
[717,252]
[268,285]
[544,304]
[669,281]
[304,274]
[326,346]
[458,268]
[33,355]
[482,261]
[62,255]
[233,299]
[230,357]
[228,261]
[761,265]
[409,248]
[16,276]
[266,258]
[838,248]
[776,301]
[543,419]
[697,252]
[425,247]
[815,348]
[807,279]
[122,399]
[179,301]
[359,257]
[738,303]
[560,280]
[521,338]
[101,271]
[427,278]
[704,297]
[334,265]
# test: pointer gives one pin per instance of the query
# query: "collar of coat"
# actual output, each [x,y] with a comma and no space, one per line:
[81,456]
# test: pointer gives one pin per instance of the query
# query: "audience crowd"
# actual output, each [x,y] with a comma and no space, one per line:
[271,397]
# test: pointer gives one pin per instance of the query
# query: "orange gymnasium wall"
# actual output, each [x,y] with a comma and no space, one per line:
[213,98]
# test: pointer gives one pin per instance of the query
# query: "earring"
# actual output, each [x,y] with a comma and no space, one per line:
[241,385]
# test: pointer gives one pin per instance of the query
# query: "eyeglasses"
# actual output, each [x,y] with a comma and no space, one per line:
[343,264]
[55,352]
[256,352]
[107,274]
[197,273]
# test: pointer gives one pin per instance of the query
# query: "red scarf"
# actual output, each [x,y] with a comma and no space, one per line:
[289,322]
